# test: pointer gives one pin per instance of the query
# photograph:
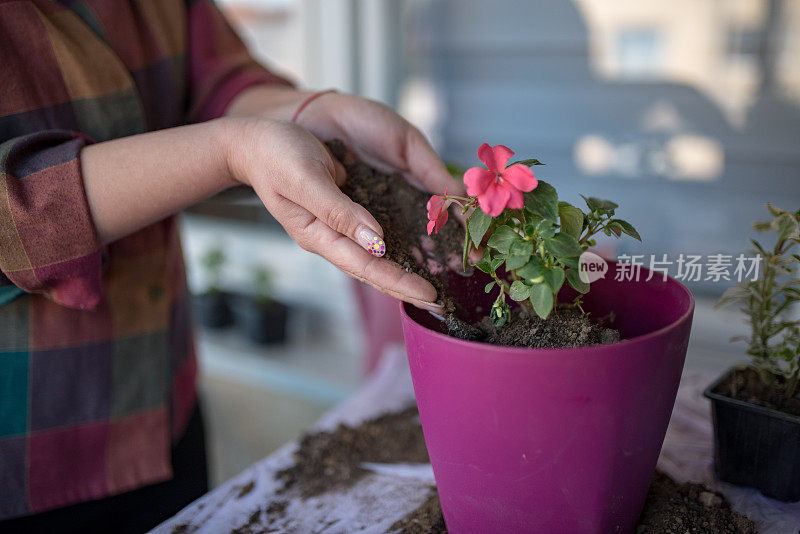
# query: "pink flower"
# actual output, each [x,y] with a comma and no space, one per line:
[498,186]
[437,212]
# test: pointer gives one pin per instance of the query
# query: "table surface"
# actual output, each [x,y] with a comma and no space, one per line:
[390,493]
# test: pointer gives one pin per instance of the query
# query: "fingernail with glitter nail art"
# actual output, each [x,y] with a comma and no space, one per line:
[371,240]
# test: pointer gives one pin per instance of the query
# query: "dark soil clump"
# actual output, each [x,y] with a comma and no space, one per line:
[327,460]
[463,330]
[399,208]
[246,489]
[689,508]
[745,385]
[252,526]
[426,519]
[566,327]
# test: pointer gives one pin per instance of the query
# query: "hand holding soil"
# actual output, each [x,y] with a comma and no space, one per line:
[302,190]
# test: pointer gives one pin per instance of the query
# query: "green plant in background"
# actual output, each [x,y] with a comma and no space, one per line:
[536,238]
[262,284]
[774,341]
[213,262]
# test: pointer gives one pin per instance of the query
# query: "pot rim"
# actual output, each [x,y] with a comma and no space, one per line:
[506,349]
[748,406]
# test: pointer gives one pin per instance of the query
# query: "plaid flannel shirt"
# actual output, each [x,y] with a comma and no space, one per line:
[97,365]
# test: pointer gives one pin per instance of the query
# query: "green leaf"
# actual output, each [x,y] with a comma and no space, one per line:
[501,238]
[526,162]
[603,206]
[542,300]
[518,254]
[791,292]
[571,219]
[496,263]
[554,278]
[519,291]
[484,266]
[733,294]
[500,311]
[477,224]
[546,228]
[627,228]
[774,211]
[758,247]
[563,245]
[575,281]
[786,226]
[762,226]
[489,286]
[570,262]
[533,269]
[543,201]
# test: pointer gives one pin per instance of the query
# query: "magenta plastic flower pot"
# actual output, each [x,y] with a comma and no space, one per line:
[551,440]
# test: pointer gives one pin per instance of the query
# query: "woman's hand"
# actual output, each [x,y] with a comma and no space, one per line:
[374,132]
[298,181]
[381,138]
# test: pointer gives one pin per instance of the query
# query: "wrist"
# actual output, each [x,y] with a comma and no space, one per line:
[318,112]
[231,138]
[275,102]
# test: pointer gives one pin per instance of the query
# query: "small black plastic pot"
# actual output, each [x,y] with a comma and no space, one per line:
[213,308]
[755,446]
[263,321]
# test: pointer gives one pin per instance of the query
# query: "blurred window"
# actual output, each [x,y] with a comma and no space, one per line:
[639,53]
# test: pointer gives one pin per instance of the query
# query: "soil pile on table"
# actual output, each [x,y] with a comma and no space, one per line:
[745,385]
[671,508]
[689,508]
[328,460]
[399,208]
[426,519]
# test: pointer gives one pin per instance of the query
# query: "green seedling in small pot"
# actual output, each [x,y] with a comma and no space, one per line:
[757,408]
[262,317]
[214,304]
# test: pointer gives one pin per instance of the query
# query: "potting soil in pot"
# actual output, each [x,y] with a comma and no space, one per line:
[326,461]
[400,210]
[745,385]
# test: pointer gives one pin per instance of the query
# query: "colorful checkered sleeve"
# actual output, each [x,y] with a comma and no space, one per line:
[220,67]
[48,242]
[97,370]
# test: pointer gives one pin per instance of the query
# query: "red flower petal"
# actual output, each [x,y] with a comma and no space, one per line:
[516,200]
[486,155]
[477,180]
[494,157]
[520,177]
[501,156]
[435,205]
[431,226]
[442,219]
[493,201]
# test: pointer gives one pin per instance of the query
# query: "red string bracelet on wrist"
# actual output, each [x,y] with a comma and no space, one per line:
[308,100]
